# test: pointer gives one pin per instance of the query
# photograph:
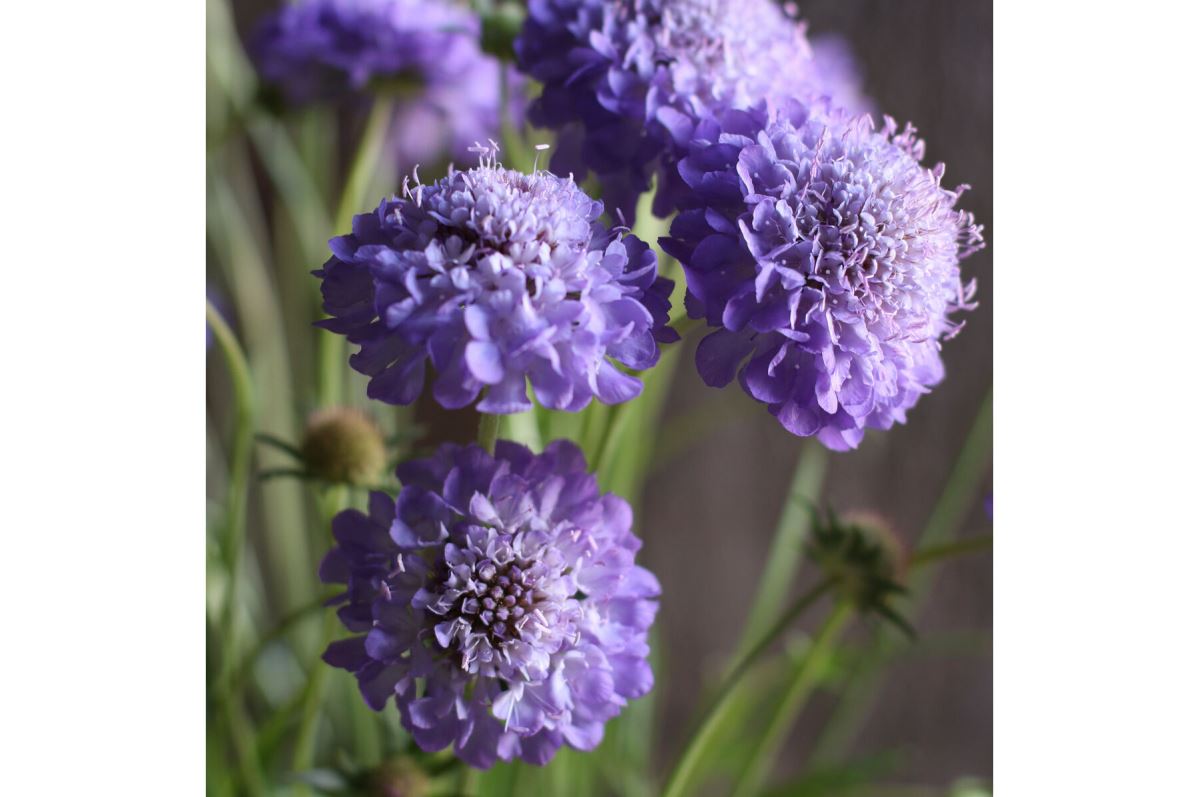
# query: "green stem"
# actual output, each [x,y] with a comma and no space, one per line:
[331,356]
[936,553]
[318,674]
[489,431]
[806,675]
[961,490]
[783,561]
[683,771]
[233,541]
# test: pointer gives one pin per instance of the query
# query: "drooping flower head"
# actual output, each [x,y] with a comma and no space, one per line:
[626,80]
[828,258]
[424,52]
[496,278]
[497,600]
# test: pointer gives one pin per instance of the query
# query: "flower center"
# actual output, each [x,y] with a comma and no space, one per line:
[501,600]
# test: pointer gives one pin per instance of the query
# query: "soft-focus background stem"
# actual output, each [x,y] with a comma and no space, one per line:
[680,777]
[961,491]
[807,673]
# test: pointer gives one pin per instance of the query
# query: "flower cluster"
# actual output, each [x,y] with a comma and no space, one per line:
[626,82]
[496,278]
[498,600]
[425,52]
[828,258]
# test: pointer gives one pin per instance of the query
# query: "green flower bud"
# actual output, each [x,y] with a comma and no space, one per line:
[864,557]
[343,445]
[399,777]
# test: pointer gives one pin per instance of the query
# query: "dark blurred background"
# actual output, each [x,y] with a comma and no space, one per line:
[928,62]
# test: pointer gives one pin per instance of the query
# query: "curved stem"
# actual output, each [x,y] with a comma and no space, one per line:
[680,776]
[489,431]
[961,488]
[233,539]
[806,675]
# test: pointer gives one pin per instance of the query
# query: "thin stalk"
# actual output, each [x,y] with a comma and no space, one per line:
[318,675]
[331,355]
[806,676]
[783,561]
[241,451]
[936,553]
[961,489]
[233,540]
[310,705]
[489,431]
[683,771]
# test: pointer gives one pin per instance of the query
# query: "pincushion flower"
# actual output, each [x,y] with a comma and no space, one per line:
[828,259]
[497,600]
[425,52]
[626,80]
[497,279]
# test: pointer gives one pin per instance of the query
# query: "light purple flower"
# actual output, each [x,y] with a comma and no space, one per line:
[498,279]
[497,600]
[828,259]
[425,53]
[625,82]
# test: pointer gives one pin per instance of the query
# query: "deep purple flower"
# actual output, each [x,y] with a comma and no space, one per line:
[496,277]
[425,52]
[626,80]
[829,259]
[497,600]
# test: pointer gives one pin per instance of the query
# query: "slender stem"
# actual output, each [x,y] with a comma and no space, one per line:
[961,489]
[680,776]
[806,675]
[310,705]
[233,542]
[936,553]
[331,355]
[489,431]
[786,551]
[318,674]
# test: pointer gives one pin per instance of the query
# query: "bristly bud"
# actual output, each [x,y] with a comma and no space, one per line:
[399,777]
[343,445]
[863,555]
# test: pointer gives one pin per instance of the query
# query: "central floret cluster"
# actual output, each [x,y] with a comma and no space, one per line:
[625,82]
[498,600]
[496,277]
[829,259]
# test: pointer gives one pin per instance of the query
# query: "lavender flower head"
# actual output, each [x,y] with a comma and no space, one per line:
[497,279]
[497,600]
[425,51]
[828,258]
[626,80]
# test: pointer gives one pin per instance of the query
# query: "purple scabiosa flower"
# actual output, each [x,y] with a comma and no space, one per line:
[497,279]
[497,600]
[626,80]
[425,51]
[828,258]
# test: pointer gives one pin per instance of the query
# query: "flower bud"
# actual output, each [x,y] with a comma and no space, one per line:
[399,777]
[343,445]
[863,555]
